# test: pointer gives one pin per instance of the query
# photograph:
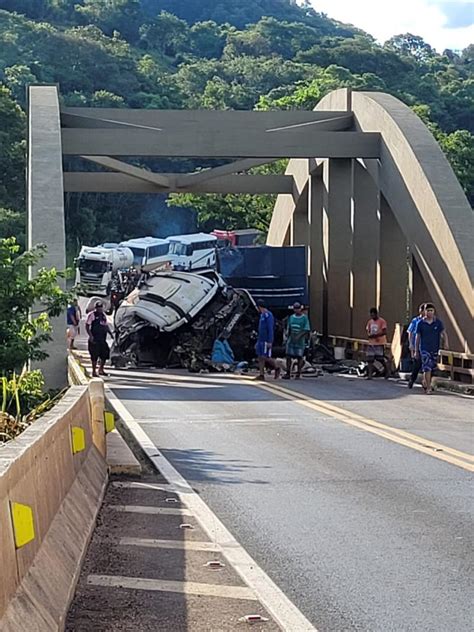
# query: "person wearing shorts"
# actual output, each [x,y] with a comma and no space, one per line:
[297,331]
[263,347]
[377,336]
[430,333]
[73,319]
[416,366]
[97,329]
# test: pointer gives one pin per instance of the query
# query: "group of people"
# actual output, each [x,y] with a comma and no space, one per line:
[426,335]
[297,332]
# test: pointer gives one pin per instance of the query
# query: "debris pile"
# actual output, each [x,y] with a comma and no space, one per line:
[174,318]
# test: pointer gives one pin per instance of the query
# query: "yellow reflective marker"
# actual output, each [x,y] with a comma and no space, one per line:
[450,358]
[23,524]
[78,439]
[109,421]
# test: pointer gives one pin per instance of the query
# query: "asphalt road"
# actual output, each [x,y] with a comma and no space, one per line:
[359,531]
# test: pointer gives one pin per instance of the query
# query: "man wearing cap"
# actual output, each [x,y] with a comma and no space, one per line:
[263,348]
[297,332]
[97,329]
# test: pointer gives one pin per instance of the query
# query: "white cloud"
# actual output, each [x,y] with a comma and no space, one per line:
[385,18]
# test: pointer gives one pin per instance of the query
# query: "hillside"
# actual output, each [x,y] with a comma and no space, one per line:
[238,54]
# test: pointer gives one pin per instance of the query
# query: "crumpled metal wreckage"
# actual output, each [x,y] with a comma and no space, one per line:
[174,318]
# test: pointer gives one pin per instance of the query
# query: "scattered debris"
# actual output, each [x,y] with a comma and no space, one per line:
[215,565]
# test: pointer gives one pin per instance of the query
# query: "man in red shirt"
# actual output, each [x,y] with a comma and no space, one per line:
[377,334]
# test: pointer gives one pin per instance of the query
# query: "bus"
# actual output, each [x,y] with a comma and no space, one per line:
[148,252]
[193,252]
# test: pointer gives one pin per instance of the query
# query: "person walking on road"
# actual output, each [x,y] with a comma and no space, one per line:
[377,335]
[97,329]
[298,330]
[73,317]
[416,366]
[263,348]
[430,335]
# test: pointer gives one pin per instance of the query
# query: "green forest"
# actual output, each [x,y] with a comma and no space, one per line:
[212,54]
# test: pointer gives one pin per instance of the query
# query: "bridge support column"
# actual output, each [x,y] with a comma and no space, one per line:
[46,209]
[365,264]
[337,210]
[419,290]
[393,269]
[317,254]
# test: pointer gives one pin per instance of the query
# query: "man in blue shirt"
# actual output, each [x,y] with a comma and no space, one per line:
[263,348]
[430,333]
[416,362]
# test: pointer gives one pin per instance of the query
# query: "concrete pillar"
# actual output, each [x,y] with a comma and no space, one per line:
[365,264]
[46,209]
[393,269]
[299,222]
[337,207]
[419,290]
[317,259]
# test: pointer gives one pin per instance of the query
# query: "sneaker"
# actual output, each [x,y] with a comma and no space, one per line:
[410,383]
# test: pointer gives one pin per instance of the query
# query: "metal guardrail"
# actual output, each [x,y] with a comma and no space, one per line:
[458,365]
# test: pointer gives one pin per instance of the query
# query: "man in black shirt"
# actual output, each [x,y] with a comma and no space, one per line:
[97,329]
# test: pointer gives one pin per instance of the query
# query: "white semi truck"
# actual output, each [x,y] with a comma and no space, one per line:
[96,268]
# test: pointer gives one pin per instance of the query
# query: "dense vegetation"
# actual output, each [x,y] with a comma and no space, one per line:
[239,54]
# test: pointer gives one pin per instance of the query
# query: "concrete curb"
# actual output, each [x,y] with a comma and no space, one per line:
[120,458]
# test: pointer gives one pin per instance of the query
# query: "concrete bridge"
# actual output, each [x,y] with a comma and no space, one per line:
[367,190]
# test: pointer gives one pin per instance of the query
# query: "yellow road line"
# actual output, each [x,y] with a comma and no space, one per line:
[397,435]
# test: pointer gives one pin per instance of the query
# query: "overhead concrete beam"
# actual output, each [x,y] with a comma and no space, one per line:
[298,143]
[131,170]
[204,120]
[120,183]
[207,174]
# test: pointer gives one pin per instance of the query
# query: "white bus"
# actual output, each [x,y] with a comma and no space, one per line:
[193,252]
[148,252]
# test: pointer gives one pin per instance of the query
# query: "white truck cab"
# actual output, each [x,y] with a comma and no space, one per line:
[96,267]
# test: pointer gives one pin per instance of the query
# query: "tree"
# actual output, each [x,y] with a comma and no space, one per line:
[24,333]
[12,151]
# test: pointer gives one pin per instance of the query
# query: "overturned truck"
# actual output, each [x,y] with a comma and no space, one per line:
[174,318]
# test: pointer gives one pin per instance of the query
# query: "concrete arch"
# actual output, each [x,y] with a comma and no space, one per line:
[416,184]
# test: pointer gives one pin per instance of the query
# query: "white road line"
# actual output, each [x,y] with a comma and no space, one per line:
[273,598]
[160,585]
[154,511]
[152,543]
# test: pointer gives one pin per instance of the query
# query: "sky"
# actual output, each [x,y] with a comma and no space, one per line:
[442,23]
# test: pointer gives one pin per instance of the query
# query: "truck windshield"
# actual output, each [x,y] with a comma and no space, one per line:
[89,265]
[138,254]
[180,249]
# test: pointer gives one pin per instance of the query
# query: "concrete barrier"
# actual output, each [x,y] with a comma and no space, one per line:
[52,480]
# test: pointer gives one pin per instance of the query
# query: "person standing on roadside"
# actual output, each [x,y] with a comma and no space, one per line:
[430,335]
[73,316]
[377,335]
[411,342]
[298,330]
[97,329]
[263,348]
